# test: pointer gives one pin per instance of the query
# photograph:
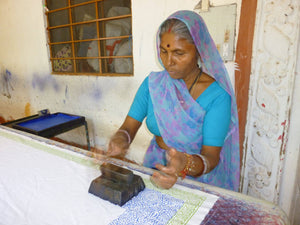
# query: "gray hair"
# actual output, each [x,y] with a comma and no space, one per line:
[176,27]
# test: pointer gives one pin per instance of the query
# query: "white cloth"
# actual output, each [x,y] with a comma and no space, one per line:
[38,188]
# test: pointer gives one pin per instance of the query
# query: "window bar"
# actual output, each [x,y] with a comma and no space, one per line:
[94,39]
[91,21]
[74,5]
[98,57]
[98,36]
[86,40]
[130,38]
[49,43]
[103,18]
[49,39]
[72,39]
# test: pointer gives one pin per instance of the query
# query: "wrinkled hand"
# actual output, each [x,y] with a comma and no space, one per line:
[167,176]
[118,145]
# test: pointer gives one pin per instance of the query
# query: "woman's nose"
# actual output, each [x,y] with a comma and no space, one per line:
[170,60]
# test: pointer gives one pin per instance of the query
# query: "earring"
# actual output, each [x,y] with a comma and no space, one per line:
[199,63]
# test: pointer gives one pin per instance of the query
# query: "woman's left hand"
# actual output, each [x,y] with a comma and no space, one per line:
[167,176]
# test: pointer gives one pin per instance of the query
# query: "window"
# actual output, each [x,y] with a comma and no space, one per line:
[90,37]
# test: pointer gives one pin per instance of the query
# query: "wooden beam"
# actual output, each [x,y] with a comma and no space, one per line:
[243,59]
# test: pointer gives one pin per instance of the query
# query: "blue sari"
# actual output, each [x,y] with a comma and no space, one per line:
[180,117]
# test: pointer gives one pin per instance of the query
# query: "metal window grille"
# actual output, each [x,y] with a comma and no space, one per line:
[90,37]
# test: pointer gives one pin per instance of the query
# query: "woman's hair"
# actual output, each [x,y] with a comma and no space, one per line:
[176,27]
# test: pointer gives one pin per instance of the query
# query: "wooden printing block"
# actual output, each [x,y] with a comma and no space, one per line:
[117,173]
[116,184]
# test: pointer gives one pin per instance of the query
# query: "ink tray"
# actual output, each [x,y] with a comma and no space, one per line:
[50,125]
[116,184]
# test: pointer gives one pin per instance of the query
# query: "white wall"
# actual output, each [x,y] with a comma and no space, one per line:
[104,101]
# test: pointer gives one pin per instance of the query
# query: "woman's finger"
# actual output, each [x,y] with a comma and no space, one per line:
[172,152]
[163,180]
[166,169]
[113,150]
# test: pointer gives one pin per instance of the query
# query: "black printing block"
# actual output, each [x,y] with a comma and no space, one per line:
[116,184]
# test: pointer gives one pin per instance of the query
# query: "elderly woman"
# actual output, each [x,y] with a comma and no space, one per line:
[190,108]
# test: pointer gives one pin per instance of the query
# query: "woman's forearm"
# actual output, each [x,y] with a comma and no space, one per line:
[197,165]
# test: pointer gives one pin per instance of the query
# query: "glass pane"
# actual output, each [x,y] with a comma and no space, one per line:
[87,65]
[85,31]
[92,51]
[60,35]
[62,65]
[123,65]
[58,18]
[115,28]
[118,47]
[106,67]
[83,13]
[75,2]
[111,8]
[62,51]
[86,49]
[56,4]
[120,65]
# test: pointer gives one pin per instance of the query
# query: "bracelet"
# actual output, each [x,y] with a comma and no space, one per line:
[187,167]
[125,132]
[205,164]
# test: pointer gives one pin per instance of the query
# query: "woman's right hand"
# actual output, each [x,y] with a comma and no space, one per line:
[118,144]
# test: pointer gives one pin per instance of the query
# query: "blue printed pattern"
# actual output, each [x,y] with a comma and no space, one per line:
[149,207]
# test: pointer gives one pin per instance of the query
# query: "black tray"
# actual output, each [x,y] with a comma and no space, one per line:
[50,125]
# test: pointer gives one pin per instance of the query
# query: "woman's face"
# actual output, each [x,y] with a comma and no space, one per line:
[178,56]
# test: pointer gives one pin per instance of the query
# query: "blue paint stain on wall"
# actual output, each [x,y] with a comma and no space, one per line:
[6,82]
[44,81]
[97,94]
[66,92]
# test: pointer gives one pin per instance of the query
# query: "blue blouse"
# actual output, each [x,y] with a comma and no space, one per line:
[214,100]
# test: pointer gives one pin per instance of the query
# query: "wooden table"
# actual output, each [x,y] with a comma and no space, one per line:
[227,207]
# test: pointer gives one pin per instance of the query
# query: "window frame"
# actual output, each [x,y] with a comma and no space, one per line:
[71,25]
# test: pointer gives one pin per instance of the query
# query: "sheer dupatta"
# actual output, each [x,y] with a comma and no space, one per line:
[180,118]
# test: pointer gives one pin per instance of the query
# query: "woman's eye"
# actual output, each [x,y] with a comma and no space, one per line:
[179,53]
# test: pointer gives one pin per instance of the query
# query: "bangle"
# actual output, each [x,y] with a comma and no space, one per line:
[187,167]
[206,165]
[125,132]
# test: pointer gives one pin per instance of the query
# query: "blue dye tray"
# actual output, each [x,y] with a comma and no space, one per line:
[51,124]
